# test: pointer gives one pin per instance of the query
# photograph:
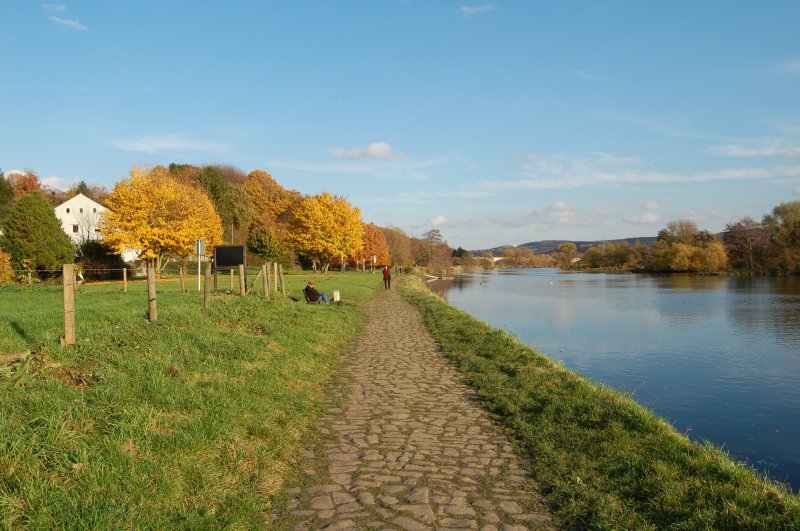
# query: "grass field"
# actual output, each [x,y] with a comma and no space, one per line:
[186,422]
[602,461]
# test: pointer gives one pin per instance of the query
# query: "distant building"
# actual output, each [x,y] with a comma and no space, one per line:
[80,218]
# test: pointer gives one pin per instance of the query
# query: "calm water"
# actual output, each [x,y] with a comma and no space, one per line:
[719,357]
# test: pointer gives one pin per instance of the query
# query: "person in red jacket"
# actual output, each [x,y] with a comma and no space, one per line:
[387,277]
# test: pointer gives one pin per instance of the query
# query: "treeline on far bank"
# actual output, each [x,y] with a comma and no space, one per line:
[770,246]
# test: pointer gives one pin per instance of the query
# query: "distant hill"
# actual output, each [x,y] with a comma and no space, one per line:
[550,246]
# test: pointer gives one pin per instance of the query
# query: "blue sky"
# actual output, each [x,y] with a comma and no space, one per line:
[496,122]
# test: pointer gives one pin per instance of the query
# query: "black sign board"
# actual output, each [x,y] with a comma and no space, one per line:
[229,256]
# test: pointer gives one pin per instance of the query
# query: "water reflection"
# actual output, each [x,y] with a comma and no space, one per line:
[717,356]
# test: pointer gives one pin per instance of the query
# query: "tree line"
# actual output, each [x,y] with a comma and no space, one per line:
[767,247]
[161,211]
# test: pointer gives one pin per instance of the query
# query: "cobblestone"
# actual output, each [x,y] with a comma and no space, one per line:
[407,445]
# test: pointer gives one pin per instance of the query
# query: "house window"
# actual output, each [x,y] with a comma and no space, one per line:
[74,229]
[67,211]
[80,210]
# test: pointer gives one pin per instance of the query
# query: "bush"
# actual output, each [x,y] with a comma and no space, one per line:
[6,271]
[100,262]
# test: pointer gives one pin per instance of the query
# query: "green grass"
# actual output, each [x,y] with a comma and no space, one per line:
[602,461]
[187,422]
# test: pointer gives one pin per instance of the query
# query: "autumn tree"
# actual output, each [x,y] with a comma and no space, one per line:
[399,245]
[326,226]
[679,231]
[159,217]
[745,242]
[783,225]
[374,243]
[437,255]
[33,236]
[272,203]
[25,182]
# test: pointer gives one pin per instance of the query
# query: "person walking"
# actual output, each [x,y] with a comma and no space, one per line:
[387,278]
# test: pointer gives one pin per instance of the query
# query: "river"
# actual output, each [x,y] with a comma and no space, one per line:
[717,356]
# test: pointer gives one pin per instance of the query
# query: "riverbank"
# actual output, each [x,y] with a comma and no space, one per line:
[601,460]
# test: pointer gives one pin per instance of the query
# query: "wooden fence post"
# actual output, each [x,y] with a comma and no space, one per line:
[125,279]
[283,286]
[231,290]
[183,280]
[152,309]
[30,280]
[207,288]
[242,283]
[265,272]
[68,273]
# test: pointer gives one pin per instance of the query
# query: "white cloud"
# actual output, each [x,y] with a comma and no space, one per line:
[69,23]
[438,220]
[644,219]
[791,66]
[158,143]
[54,8]
[468,11]
[672,126]
[607,170]
[588,76]
[57,183]
[764,148]
[651,205]
[376,150]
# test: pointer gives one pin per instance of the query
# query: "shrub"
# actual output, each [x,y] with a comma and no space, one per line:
[32,233]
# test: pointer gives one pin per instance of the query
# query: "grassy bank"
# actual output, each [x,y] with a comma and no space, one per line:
[187,422]
[601,460]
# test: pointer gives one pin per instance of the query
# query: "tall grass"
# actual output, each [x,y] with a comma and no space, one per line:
[603,461]
[186,422]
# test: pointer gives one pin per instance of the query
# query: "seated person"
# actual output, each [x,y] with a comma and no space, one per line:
[313,295]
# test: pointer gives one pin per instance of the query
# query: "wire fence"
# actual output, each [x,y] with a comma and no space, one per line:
[35,311]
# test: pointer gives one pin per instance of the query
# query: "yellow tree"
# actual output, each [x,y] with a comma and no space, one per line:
[374,243]
[326,226]
[159,217]
[270,200]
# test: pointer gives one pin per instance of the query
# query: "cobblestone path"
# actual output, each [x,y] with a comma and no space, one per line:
[406,445]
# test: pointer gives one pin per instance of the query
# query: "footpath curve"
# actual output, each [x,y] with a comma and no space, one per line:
[406,445]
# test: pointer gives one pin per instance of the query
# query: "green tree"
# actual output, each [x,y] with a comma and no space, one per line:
[6,197]
[230,201]
[33,236]
[269,245]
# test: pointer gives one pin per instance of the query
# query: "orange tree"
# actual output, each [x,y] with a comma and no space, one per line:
[374,243]
[159,217]
[325,226]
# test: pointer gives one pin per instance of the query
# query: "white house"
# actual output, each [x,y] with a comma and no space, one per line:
[80,219]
